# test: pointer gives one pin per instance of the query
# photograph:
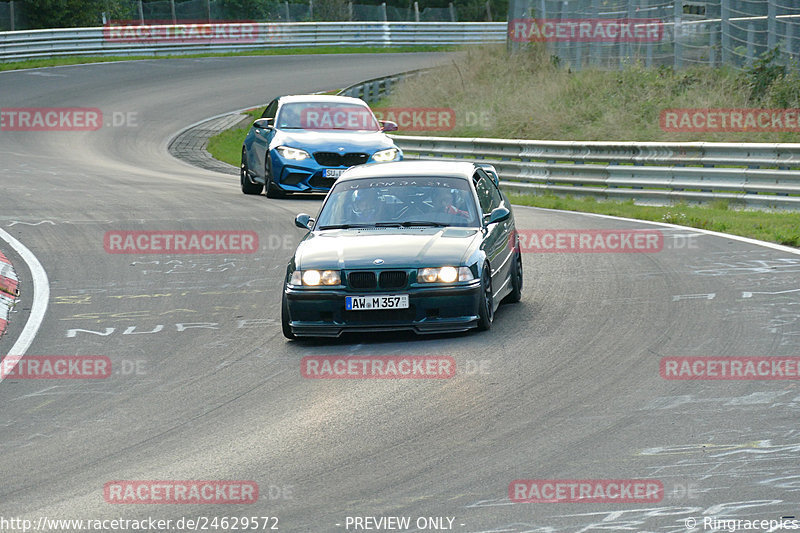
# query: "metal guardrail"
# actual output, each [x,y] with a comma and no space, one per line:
[34,44]
[373,90]
[748,174]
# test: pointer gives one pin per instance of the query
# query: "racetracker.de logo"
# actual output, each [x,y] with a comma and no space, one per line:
[180,242]
[586,30]
[378,367]
[132,31]
[181,492]
[55,367]
[50,119]
[418,118]
[696,120]
[337,118]
[730,368]
[586,491]
[592,241]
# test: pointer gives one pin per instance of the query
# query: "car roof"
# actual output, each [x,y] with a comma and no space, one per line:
[409,169]
[290,98]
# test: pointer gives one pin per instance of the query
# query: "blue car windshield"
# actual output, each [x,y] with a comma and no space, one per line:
[326,116]
[399,202]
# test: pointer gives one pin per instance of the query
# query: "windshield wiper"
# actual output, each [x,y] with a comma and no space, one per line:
[347,226]
[388,225]
[410,223]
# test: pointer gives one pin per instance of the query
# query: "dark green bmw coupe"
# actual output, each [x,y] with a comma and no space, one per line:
[423,246]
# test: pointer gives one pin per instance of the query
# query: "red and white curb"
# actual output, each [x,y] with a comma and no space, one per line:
[9,290]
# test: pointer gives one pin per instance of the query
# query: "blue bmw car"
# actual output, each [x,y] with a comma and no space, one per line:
[302,144]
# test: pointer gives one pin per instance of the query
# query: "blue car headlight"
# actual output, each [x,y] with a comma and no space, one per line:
[294,154]
[382,156]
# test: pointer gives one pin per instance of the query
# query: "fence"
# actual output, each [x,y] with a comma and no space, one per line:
[712,32]
[175,11]
[752,175]
[160,40]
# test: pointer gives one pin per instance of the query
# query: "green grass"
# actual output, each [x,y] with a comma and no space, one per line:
[778,227]
[525,96]
[61,61]
[227,145]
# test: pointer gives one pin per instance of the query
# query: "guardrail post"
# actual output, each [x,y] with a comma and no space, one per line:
[676,33]
[751,43]
[350,10]
[772,26]
[310,9]
[416,11]
[488,10]
[208,9]
[725,32]
[141,13]
[172,11]
[452,12]
[789,40]
[384,17]
[11,13]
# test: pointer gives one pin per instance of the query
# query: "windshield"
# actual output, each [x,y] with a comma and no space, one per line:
[326,116]
[399,202]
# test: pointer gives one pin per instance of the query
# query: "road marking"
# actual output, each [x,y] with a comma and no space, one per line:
[41,296]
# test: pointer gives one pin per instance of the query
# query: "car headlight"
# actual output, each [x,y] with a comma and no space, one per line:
[315,278]
[385,155]
[295,154]
[446,274]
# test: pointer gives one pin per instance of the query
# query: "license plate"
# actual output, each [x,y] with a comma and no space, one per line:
[384,301]
[332,172]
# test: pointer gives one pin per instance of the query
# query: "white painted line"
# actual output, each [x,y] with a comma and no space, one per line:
[41,297]
[774,246]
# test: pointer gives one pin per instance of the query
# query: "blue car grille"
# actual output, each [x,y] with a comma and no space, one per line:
[332,159]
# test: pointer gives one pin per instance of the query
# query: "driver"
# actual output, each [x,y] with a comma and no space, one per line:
[365,206]
[443,202]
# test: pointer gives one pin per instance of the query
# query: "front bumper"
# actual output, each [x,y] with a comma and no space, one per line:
[321,312]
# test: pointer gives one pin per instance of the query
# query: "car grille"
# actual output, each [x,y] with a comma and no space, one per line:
[362,280]
[393,279]
[332,159]
[387,279]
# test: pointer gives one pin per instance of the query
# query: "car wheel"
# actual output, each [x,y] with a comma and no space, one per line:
[248,187]
[272,190]
[287,329]
[516,280]
[486,307]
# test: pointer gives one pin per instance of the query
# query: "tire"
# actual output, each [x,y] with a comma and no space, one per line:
[272,190]
[486,306]
[516,280]
[287,329]
[248,187]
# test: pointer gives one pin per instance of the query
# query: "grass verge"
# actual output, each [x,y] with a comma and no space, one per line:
[778,227]
[62,61]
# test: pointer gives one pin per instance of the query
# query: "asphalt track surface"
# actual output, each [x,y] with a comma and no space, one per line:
[568,385]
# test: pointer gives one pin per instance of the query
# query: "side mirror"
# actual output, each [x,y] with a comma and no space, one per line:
[304,221]
[388,125]
[498,214]
[263,123]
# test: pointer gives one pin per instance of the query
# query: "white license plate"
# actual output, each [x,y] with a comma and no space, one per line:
[380,301]
[333,172]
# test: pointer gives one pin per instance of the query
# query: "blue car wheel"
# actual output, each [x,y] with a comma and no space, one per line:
[248,187]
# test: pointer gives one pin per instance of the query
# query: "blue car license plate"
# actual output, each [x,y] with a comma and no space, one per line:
[383,301]
[332,172]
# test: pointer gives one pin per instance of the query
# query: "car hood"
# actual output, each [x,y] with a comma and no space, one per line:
[398,248]
[332,141]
